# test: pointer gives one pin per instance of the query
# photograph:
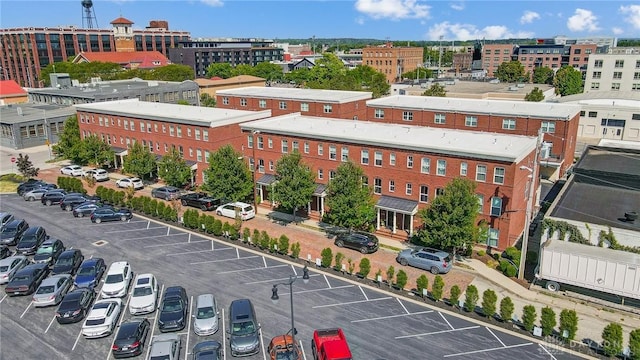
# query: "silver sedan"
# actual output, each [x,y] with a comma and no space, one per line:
[52,290]
[9,266]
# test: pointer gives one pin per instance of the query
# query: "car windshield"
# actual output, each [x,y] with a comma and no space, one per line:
[86,271]
[9,232]
[160,357]
[142,291]
[67,305]
[205,313]
[27,241]
[206,355]
[4,268]
[46,289]
[288,354]
[65,261]
[114,279]
[21,278]
[243,328]
[44,250]
[172,306]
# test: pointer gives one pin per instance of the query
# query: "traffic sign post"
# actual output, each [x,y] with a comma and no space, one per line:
[13,161]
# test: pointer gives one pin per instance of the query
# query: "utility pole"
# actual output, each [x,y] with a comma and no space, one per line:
[439,57]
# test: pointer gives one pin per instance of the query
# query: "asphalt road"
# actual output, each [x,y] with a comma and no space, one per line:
[378,324]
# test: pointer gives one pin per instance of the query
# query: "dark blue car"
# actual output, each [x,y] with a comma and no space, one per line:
[90,273]
[110,214]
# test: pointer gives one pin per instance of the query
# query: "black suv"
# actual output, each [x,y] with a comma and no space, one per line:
[68,262]
[49,251]
[52,198]
[173,312]
[200,200]
[32,184]
[131,338]
[30,240]
[364,242]
[12,231]
[71,201]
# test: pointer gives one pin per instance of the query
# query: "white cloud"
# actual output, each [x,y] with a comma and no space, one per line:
[632,13]
[214,3]
[583,20]
[458,31]
[393,9]
[360,20]
[457,6]
[616,30]
[528,17]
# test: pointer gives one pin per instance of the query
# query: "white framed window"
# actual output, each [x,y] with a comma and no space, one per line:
[190,152]
[164,127]
[282,105]
[261,166]
[471,121]
[225,100]
[377,158]
[410,161]
[270,143]
[377,186]
[424,193]
[260,142]
[439,192]
[243,102]
[392,159]
[333,152]
[101,122]
[126,125]
[250,141]
[327,109]
[440,118]
[481,173]
[270,165]
[492,237]
[425,165]
[364,157]
[172,130]
[548,127]
[392,185]
[295,146]
[407,115]
[480,198]
[344,154]
[463,169]
[262,103]
[179,131]
[509,124]
[197,132]
[320,149]
[320,174]
[441,169]
[496,206]
[304,107]
[408,189]
[206,155]
[379,114]
[205,135]
[198,155]
[332,174]
[498,175]
[284,144]
[188,132]
[306,147]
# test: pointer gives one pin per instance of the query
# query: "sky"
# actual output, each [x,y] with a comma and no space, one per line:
[372,19]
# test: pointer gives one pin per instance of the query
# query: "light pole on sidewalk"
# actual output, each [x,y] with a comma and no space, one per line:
[275,297]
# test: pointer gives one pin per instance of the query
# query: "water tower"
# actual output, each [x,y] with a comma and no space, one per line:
[89,20]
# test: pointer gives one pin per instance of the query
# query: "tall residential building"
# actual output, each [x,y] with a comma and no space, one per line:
[393,61]
[495,54]
[25,51]
[613,72]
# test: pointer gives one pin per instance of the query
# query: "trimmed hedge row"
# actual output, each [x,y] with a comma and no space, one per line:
[71,184]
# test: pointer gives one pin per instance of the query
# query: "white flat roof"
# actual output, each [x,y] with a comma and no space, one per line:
[541,110]
[184,114]
[315,95]
[472,144]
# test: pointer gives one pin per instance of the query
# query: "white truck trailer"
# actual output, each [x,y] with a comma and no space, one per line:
[591,267]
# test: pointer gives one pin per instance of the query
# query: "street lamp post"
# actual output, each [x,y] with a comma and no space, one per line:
[255,169]
[275,297]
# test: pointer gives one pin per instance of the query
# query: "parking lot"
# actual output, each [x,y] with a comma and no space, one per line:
[378,325]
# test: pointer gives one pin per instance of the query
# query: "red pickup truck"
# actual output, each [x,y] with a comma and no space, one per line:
[330,344]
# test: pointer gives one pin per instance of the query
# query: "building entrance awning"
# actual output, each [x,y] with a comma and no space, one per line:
[120,151]
[267,179]
[399,205]
[320,190]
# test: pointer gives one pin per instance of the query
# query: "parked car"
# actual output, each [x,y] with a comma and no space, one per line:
[118,279]
[26,280]
[244,210]
[9,266]
[283,347]
[165,347]
[131,338]
[54,197]
[166,192]
[28,183]
[206,320]
[97,174]
[68,262]
[49,251]
[434,260]
[5,252]
[71,201]
[199,200]
[12,231]
[73,170]
[102,318]
[75,306]
[35,185]
[207,350]
[5,218]
[90,273]
[174,309]
[144,298]
[35,194]
[52,290]
[364,242]
[110,214]
[31,239]
[244,337]
[134,182]
[86,208]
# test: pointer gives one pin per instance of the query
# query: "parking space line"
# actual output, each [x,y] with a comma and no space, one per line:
[150,237]
[77,339]
[222,260]
[224,338]
[351,302]
[304,356]
[4,297]
[128,230]
[495,336]
[155,321]
[27,309]
[327,280]
[437,332]
[264,353]
[486,350]
[363,294]
[264,260]
[323,289]
[238,253]
[401,304]
[445,320]
[199,251]
[273,280]
[189,326]
[392,316]
[174,244]
[50,323]
[293,268]
[252,269]
[547,351]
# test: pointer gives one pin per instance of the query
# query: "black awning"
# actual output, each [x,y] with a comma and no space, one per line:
[403,206]
[267,179]
[320,190]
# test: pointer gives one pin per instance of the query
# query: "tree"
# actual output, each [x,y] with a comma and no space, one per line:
[207,100]
[634,344]
[295,182]
[437,288]
[370,79]
[228,176]
[365,267]
[471,298]
[401,279]
[536,95]
[449,222]
[528,317]
[221,70]
[489,300]
[25,166]
[506,309]
[569,323]
[268,71]
[139,161]
[350,201]
[510,71]
[173,169]
[435,90]
[568,81]
[612,340]
[93,150]
[422,283]
[454,295]
[68,139]
[547,320]
[543,75]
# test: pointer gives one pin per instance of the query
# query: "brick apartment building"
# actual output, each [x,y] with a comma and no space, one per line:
[281,101]
[393,61]
[406,166]
[495,54]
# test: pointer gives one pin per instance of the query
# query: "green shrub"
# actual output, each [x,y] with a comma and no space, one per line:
[338,261]
[489,301]
[255,239]
[513,254]
[233,233]
[437,288]
[634,344]
[503,266]
[506,309]
[209,224]
[265,240]
[496,256]
[569,322]
[364,267]
[351,265]
[481,253]
[528,317]
[100,191]
[378,275]
[170,214]
[612,341]
[454,295]
[391,271]
[295,250]
[217,227]
[283,244]
[401,279]
[547,320]
[273,245]
[326,256]
[246,234]
[511,271]
[471,298]
[225,228]
[160,208]
[202,222]
[422,282]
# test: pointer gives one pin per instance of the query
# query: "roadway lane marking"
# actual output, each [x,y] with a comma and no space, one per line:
[174,244]
[27,309]
[50,323]
[252,269]
[4,297]
[304,356]
[487,350]
[392,316]
[439,332]
[365,295]
[327,280]
[272,280]
[324,289]
[494,335]
[198,251]
[351,302]
[547,351]
[445,320]
[189,325]
[222,260]
[152,237]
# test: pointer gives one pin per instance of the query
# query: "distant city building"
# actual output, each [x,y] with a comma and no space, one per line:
[613,72]
[470,89]
[128,60]
[393,61]
[625,51]
[211,86]
[11,93]
[495,54]
[27,125]
[25,51]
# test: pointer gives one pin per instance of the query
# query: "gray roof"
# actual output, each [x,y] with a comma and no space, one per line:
[606,98]
[397,204]
[543,110]
[478,145]
[320,190]
[311,95]
[105,87]
[267,179]
[592,251]
[174,113]
[610,160]
[9,114]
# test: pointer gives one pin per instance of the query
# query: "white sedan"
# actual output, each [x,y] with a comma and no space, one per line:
[134,182]
[102,318]
[144,298]
[73,170]
[98,174]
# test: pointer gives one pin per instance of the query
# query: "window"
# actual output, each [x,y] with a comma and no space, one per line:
[261,166]
[548,127]
[197,131]
[597,74]
[440,118]
[597,64]
[377,186]
[617,74]
[364,157]
[295,146]
[496,206]
[615,86]
[282,105]
[179,131]
[320,149]
[576,51]
[463,169]
[619,63]
[481,173]
[270,165]
[637,64]
[327,109]
[304,107]
[392,159]
[270,143]
[582,113]
[205,135]
[636,76]
[320,174]
[471,121]
[250,141]
[408,189]
[595,86]
[206,155]
[172,130]
[262,103]
[243,102]
[188,132]
[332,152]
[306,147]
[377,158]
[442,167]
[344,154]
[635,87]
[392,185]
[260,142]
[480,198]
[410,161]
[285,146]
[425,165]
[498,175]
[332,174]
[509,124]
[407,115]
[593,114]
[225,100]
[492,237]
[439,192]
[379,114]
[126,125]
[101,123]
[424,193]
[199,155]
[190,152]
